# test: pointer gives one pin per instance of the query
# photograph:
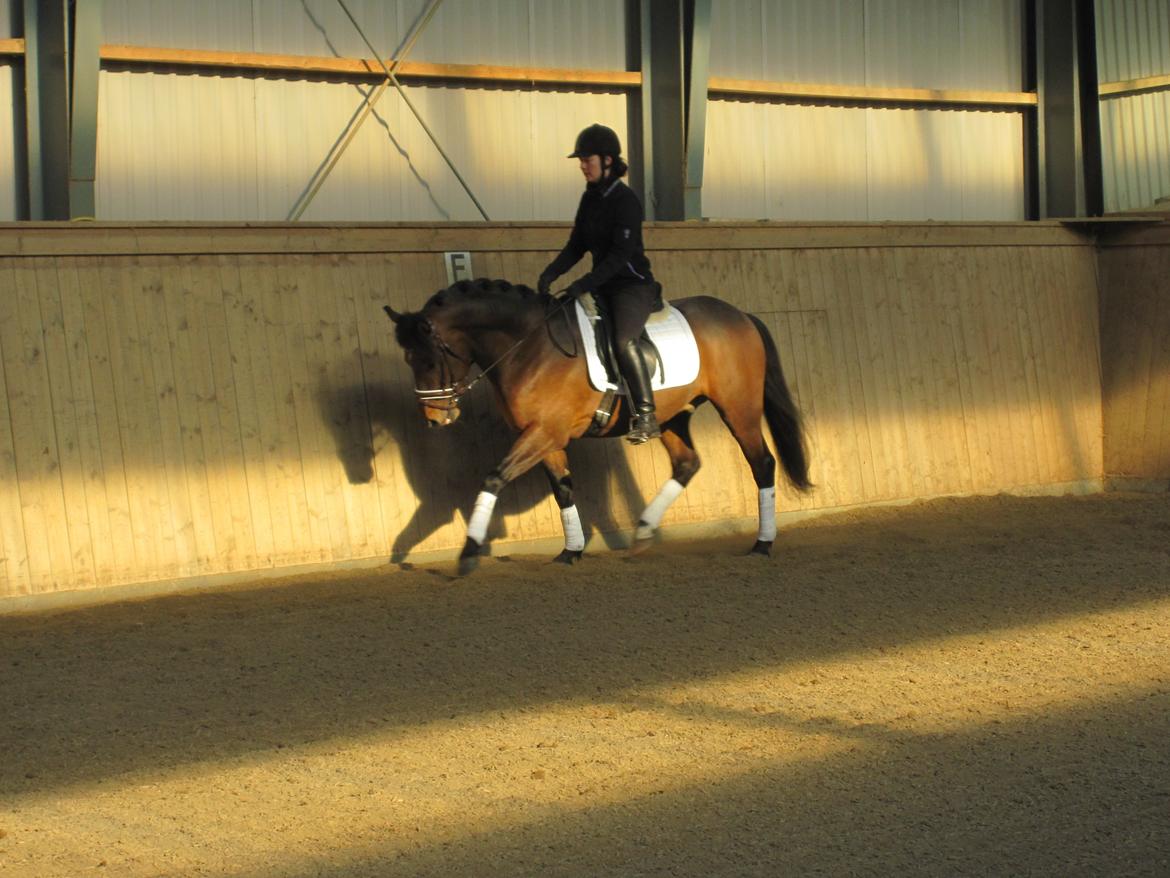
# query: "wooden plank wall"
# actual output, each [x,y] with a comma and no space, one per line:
[1135,354]
[187,401]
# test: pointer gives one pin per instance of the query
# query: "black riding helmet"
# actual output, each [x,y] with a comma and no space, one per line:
[597,140]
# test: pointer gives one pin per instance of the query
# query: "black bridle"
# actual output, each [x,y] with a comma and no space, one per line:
[448,395]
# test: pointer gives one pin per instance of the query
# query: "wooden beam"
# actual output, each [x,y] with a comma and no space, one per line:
[720,85]
[110,238]
[1134,86]
[11,47]
[365,68]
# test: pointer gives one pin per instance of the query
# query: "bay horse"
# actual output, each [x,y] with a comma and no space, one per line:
[543,390]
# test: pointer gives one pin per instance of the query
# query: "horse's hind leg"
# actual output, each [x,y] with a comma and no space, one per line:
[556,467]
[745,427]
[684,463]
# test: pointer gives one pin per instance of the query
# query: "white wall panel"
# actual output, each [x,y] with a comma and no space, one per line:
[224,25]
[186,146]
[1133,38]
[963,44]
[10,17]
[895,43]
[780,161]
[792,161]
[11,129]
[189,147]
[1133,41]
[1135,148]
[544,33]
[944,165]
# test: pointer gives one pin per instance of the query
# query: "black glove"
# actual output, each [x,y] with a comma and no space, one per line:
[545,283]
[577,289]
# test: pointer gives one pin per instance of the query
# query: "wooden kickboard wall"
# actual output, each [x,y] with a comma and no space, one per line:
[181,401]
[1135,349]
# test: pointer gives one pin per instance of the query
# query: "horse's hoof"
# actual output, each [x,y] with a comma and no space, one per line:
[644,537]
[762,548]
[469,557]
[569,556]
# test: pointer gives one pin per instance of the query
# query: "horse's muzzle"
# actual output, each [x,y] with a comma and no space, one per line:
[441,417]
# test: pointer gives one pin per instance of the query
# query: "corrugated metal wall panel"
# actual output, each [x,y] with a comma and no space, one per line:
[789,41]
[10,17]
[1135,147]
[968,44]
[11,129]
[225,25]
[788,161]
[1133,41]
[188,147]
[973,44]
[944,165]
[780,161]
[542,33]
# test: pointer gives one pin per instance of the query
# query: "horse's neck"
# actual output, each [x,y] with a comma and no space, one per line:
[491,328]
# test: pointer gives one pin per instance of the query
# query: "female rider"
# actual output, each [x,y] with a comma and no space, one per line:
[608,225]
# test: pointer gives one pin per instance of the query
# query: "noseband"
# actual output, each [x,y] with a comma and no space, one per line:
[448,395]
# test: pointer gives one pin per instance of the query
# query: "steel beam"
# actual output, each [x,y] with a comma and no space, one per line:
[87,32]
[675,37]
[46,90]
[663,124]
[1068,139]
[697,45]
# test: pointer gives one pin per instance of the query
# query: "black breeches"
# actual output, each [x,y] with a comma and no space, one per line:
[628,309]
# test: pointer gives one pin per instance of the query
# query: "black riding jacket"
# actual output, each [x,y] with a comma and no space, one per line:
[608,226]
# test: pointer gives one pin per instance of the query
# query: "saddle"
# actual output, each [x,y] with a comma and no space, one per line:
[603,336]
[667,339]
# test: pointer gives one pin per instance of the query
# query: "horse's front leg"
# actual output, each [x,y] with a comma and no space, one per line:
[532,446]
[556,466]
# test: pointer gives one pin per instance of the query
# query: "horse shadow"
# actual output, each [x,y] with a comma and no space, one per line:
[445,467]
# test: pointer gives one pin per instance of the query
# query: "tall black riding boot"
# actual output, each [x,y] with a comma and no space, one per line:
[643,424]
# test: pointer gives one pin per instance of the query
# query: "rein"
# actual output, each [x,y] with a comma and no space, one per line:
[451,393]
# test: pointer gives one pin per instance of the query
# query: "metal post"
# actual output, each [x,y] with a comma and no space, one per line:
[635,137]
[46,88]
[663,96]
[87,27]
[1069,144]
[1031,144]
[697,41]
[675,58]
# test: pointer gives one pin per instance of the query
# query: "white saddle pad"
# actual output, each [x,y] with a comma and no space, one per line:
[669,331]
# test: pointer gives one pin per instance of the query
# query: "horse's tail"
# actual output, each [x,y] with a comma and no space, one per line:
[781,414]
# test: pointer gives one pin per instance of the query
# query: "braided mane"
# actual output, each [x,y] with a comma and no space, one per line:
[481,287]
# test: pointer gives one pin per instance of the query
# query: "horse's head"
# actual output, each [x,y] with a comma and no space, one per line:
[440,359]
[439,339]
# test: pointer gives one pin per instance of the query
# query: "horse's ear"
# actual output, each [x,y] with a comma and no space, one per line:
[394,315]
